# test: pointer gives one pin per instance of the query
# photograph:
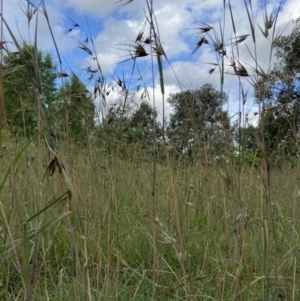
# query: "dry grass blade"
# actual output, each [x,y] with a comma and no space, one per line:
[269,21]
[86,49]
[240,39]
[250,20]
[51,32]
[140,35]
[123,4]
[119,5]
[244,94]
[231,15]
[74,25]
[82,45]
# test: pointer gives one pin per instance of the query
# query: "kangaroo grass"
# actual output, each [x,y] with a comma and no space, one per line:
[105,219]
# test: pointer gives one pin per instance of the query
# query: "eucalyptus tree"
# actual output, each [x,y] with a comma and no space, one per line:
[198,116]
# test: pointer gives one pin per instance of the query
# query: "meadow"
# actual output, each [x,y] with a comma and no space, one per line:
[204,234]
[96,219]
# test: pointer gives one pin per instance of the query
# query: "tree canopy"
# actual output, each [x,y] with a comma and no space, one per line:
[198,115]
[79,110]
[282,96]
[28,77]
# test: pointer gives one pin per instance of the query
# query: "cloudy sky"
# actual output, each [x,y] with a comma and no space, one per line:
[114,32]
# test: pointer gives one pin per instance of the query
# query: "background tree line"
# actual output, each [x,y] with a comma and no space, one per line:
[20,88]
[198,117]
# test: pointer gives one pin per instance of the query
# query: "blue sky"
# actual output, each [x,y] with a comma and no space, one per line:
[114,31]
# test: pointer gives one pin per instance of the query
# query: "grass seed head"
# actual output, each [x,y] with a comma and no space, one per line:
[211,71]
[148,40]
[140,51]
[200,42]
[159,50]
[139,37]
[240,39]
[204,28]
[238,68]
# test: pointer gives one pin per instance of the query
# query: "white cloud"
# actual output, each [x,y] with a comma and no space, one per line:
[155,94]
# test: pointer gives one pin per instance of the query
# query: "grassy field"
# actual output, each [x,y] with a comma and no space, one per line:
[101,233]
[100,221]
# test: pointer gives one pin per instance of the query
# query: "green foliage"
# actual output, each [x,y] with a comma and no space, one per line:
[76,105]
[281,95]
[128,125]
[142,122]
[3,137]
[28,77]
[247,138]
[247,158]
[198,116]
[288,51]
[115,123]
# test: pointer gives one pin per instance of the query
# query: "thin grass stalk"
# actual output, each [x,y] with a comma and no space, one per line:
[15,216]
[77,272]
[1,73]
[267,208]
[67,131]
[86,264]
[60,285]
[25,270]
[153,207]
[37,201]
[182,250]
[74,219]
[100,267]
[294,277]
[97,186]
[230,167]
[241,111]
[266,172]
[18,265]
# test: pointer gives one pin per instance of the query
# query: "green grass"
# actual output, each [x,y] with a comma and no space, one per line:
[109,221]
[219,223]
